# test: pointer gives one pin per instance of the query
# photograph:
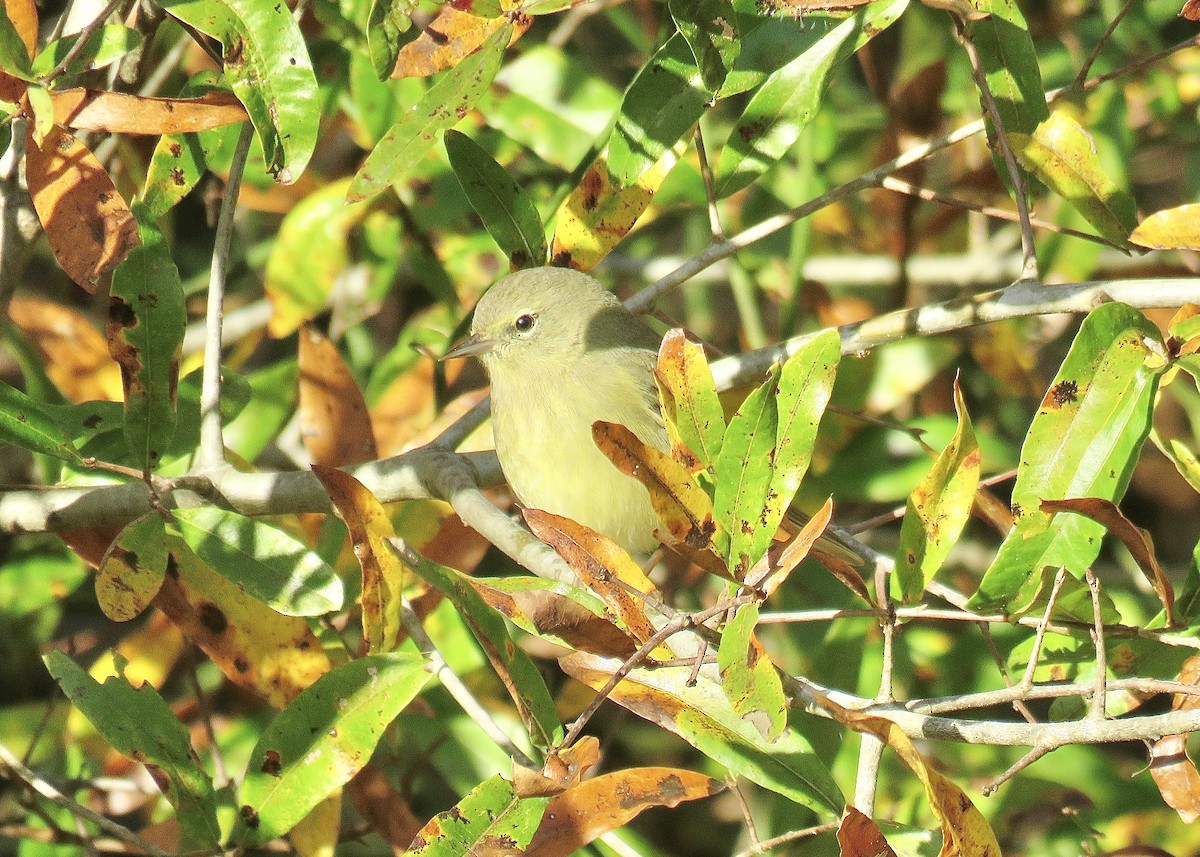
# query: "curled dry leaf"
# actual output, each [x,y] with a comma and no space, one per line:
[1173,771]
[1136,541]
[89,225]
[119,113]
[564,769]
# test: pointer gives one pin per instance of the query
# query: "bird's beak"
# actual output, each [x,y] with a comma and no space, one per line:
[473,346]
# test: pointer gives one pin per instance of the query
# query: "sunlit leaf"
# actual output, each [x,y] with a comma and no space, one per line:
[106,45]
[133,569]
[24,424]
[450,38]
[492,819]
[120,113]
[334,421]
[748,676]
[1170,229]
[691,410]
[323,737]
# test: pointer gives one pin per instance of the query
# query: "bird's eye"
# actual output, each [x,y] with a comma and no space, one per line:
[524,323]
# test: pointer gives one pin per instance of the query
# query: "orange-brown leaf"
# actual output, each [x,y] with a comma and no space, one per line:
[591,809]
[120,113]
[382,572]
[334,423]
[564,769]
[685,510]
[449,38]
[557,615]
[385,809]
[775,566]
[90,228]
[601,564]
[73,352]
[24,17]
[859,836]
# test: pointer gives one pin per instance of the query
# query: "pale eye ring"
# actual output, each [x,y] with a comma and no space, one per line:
[525,323]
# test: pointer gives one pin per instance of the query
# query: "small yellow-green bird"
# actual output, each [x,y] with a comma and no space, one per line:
[562,353]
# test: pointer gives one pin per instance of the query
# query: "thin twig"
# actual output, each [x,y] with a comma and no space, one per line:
[783,839]
[83,37]
[13,765]
[1040,634]
[714,217]
[1099,696]
[1015,768]
[1081,76]
[744,806]
[211,454]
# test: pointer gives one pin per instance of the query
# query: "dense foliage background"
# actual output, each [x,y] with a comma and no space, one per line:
[196,652]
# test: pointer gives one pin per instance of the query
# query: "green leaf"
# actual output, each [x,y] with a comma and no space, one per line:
[687,394]
[805,386]
[140,725]
[744,475]
[1063,156]
[492,819]
[938,509]
[664,101]
[1010,65]
[509,216]
[522,679]
[265,561]
[24,424]
[322,739]
[268,66]
[748,676]
[790,97]
[389,28]
[442,106]
[710,28]
[14,58]
[145,333]
[105,46]
[1084,442]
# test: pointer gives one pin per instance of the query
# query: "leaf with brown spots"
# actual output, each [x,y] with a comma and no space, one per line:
[90,227]
[681,504]
[600,212]
[334,424]
[145,334]
[491,821]
[749,678]
[269,654]
[132,570]
[120,113]
[691,410]
[589,810]
[451,37]
[140,725]
[321,739]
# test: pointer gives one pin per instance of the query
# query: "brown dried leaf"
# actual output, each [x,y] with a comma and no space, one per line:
[1136,540]
[385,809]
[334,423]
[564,769]
[90,228]
[1190,10]
[1173,771]
[557,615]
[119,113]
[601,564]
[74,354]
[859,836]
[581,814]
[451,37]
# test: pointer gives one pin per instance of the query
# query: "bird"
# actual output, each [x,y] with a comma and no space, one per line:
[562,352]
